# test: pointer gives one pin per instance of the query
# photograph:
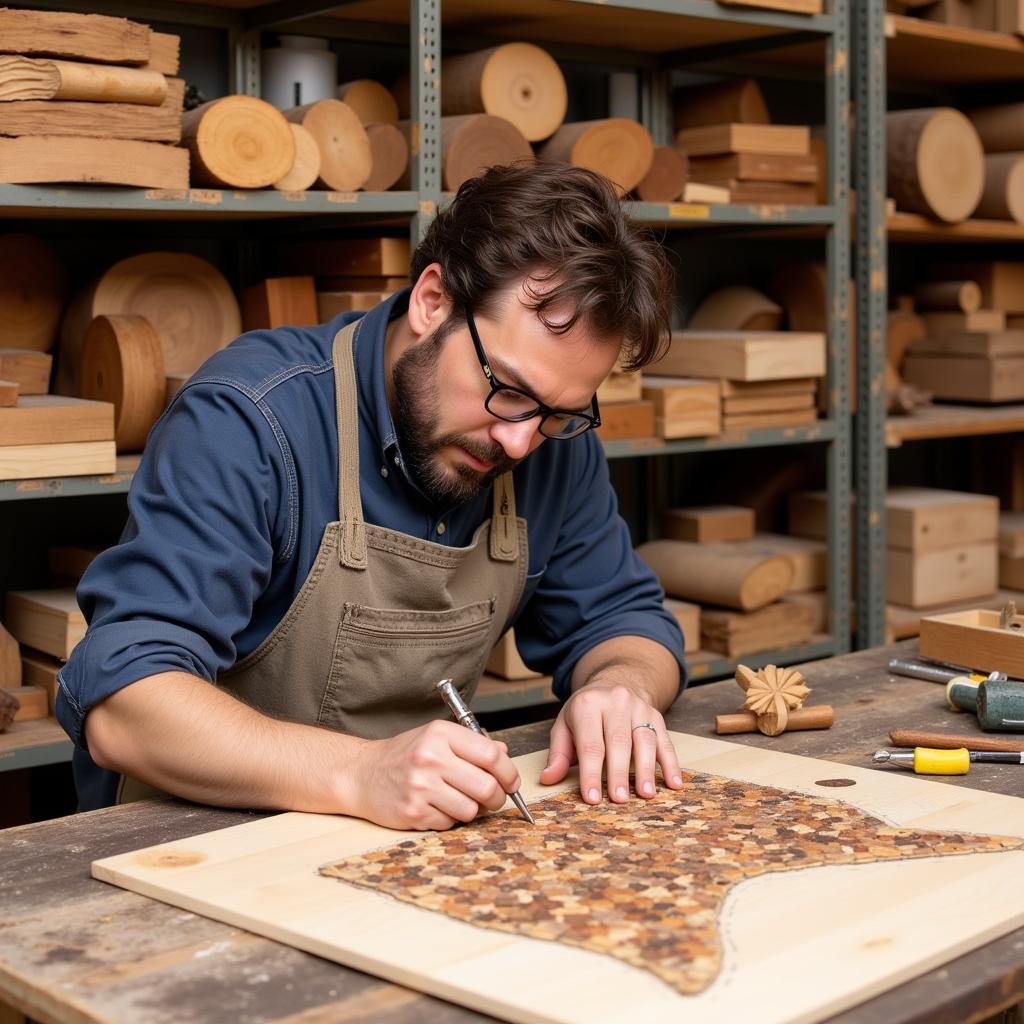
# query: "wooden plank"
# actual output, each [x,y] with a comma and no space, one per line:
[736,634]
[743,355]
[968,378]
[766,404]
[33,703]
[49,620]
[792,6]
[808,558]
[687,615]
[930,519]
[706,524]
[56,419]
[713,140]
[919,579]
[280,302]
[81,458]
[773,192]
[77,36]
[164,53]
[987,344]
[506,662]
[755,167]
[973,639]
[953,421]
[82,119]
[768,388]
[684,407]
[342,257]
[622,421]
[29,369]
[769,420]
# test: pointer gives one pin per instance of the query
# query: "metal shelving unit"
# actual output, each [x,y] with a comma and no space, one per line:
[652,36]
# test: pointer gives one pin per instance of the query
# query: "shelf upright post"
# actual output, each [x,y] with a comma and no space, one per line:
[871,275]
[244,62]
[425,109]
[837,259]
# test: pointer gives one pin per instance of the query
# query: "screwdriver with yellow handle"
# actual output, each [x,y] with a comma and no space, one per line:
[928,761]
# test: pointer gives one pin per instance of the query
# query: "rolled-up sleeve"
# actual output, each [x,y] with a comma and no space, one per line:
[207,510]
[594,586]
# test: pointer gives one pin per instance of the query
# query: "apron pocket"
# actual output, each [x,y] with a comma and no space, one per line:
[387,663]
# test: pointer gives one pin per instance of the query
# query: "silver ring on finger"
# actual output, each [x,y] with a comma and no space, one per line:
[646,725]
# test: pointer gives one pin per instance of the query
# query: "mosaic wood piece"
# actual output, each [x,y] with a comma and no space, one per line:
[643,882]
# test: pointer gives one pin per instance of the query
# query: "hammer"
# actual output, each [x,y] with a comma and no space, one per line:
[998,703]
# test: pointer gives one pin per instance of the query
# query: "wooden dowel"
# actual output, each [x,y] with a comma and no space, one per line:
[956,296]
[22,78]
[818,716]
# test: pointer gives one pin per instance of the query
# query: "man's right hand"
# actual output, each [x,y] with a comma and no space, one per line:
[430,777]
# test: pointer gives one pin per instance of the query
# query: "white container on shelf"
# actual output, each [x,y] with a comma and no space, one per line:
[298,71]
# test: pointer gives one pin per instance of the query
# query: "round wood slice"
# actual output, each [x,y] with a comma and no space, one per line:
[936,163]
[616,147]
[1003,196]
[345,162]
[666,179]
[305,169]
[123,363]
[237,142]
[389,154]
[956,296]
[33,289]
[372,102]
[186,300]
[517,81]
[736,308]
[474,142]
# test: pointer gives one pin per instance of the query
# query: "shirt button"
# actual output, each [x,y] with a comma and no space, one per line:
[398,461]
[440,528]
[384,471]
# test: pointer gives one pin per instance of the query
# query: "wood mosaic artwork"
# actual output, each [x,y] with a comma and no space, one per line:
[644,881]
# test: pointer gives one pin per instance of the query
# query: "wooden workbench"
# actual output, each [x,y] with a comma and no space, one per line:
[74,949]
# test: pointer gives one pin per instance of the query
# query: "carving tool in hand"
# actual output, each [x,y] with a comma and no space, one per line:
[465,717]
[927,761]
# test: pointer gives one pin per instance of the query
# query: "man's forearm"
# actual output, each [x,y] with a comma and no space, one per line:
[634,661]
[186,736]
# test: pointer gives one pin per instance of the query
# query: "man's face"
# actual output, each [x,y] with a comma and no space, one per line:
[453,446]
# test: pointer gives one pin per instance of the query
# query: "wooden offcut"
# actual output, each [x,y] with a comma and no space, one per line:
[736,634]
[935,162]
[708,523]
[684,407]
[389,156]
[720,574]
[32,703]
[713,140]
[26,78]
[280,302]
[79,458]
[305,168]
[1003,196]
[94,37]
[33,290]
[922,578]
[737,100]
[620,149]
[471,143]
[736,307]
[345,161]
[237,142]
[164,53]
[755,167]
[371,101]
[666,178]
[27,368]
[1001,282]
[743,355]
[623,421]
[55,419]
[951,296]
[122,363]
[966,378]
[49,620]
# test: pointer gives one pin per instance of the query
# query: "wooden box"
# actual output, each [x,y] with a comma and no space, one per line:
[708,523]
[622,421]
[48,620]
[688,617]
[973,639]
[743,355]
[619,386]
[684,407]
[919,579]
[505,661]
[967,378]
[929,519]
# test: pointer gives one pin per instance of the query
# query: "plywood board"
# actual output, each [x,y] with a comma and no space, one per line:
[713,140]
[265,877]
[743,355]
[919,579]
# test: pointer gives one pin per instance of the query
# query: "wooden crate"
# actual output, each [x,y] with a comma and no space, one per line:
[919,579]
[973,639]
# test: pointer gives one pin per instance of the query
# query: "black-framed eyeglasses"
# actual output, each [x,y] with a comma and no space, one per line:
[514,405]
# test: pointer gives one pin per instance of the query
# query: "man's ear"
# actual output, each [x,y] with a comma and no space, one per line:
[429,304]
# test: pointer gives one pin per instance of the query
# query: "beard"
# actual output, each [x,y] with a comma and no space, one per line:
[417,398]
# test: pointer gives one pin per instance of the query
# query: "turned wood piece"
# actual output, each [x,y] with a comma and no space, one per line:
[955,296]
[936,164]
[736,307]
[33,289]
[345,161]
[616,147]
[305,169]
[24,78]
[718,573]
[9,707]
[666,179]
[237,142]
[818,716]
[1000,127]
[517,81]
[1003,196]
[771,694]
[187,301]
[474,142]
[372,102]
[123,363]
[389,155]
[734,101]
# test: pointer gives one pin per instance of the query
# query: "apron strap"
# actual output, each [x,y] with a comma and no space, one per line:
[504,532]
[352,541]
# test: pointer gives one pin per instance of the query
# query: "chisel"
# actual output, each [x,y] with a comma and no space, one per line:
[927,761]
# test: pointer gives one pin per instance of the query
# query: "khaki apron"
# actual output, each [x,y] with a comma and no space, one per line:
[382,616]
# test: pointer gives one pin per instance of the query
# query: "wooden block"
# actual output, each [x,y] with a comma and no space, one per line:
[622,421]
[737,633]
[770,420]
[780,193]
[713,140]
[755,167]
[41,670]
[342,257]
[768,388]
[808,557]
[684,407]
[69,562]
[77,36]
[164,53]
[919,579]
[1001,282]
[80,458]
[708,523]
[978,320]
[929,519]
[8,393]
[816,601]
[688,617]
[1011,572]
[620,386]
[49,620]
[696,192]
[55,419]
[384,285]
[987,344]
[732,100]
[766,404]
[280,302]
[135,121]
[29,369]
[10,661]
[35,160]
[504,660]
[1011,534]
[974,639]
[34,704]
[966,378]
[743,355]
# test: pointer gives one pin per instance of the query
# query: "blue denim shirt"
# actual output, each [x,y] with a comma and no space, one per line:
[229,505]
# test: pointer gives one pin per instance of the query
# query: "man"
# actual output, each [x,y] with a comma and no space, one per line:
[328,520]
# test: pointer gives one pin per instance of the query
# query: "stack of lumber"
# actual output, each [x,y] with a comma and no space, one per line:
[725,131]
[89,98]
[972,347]
[625,413]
